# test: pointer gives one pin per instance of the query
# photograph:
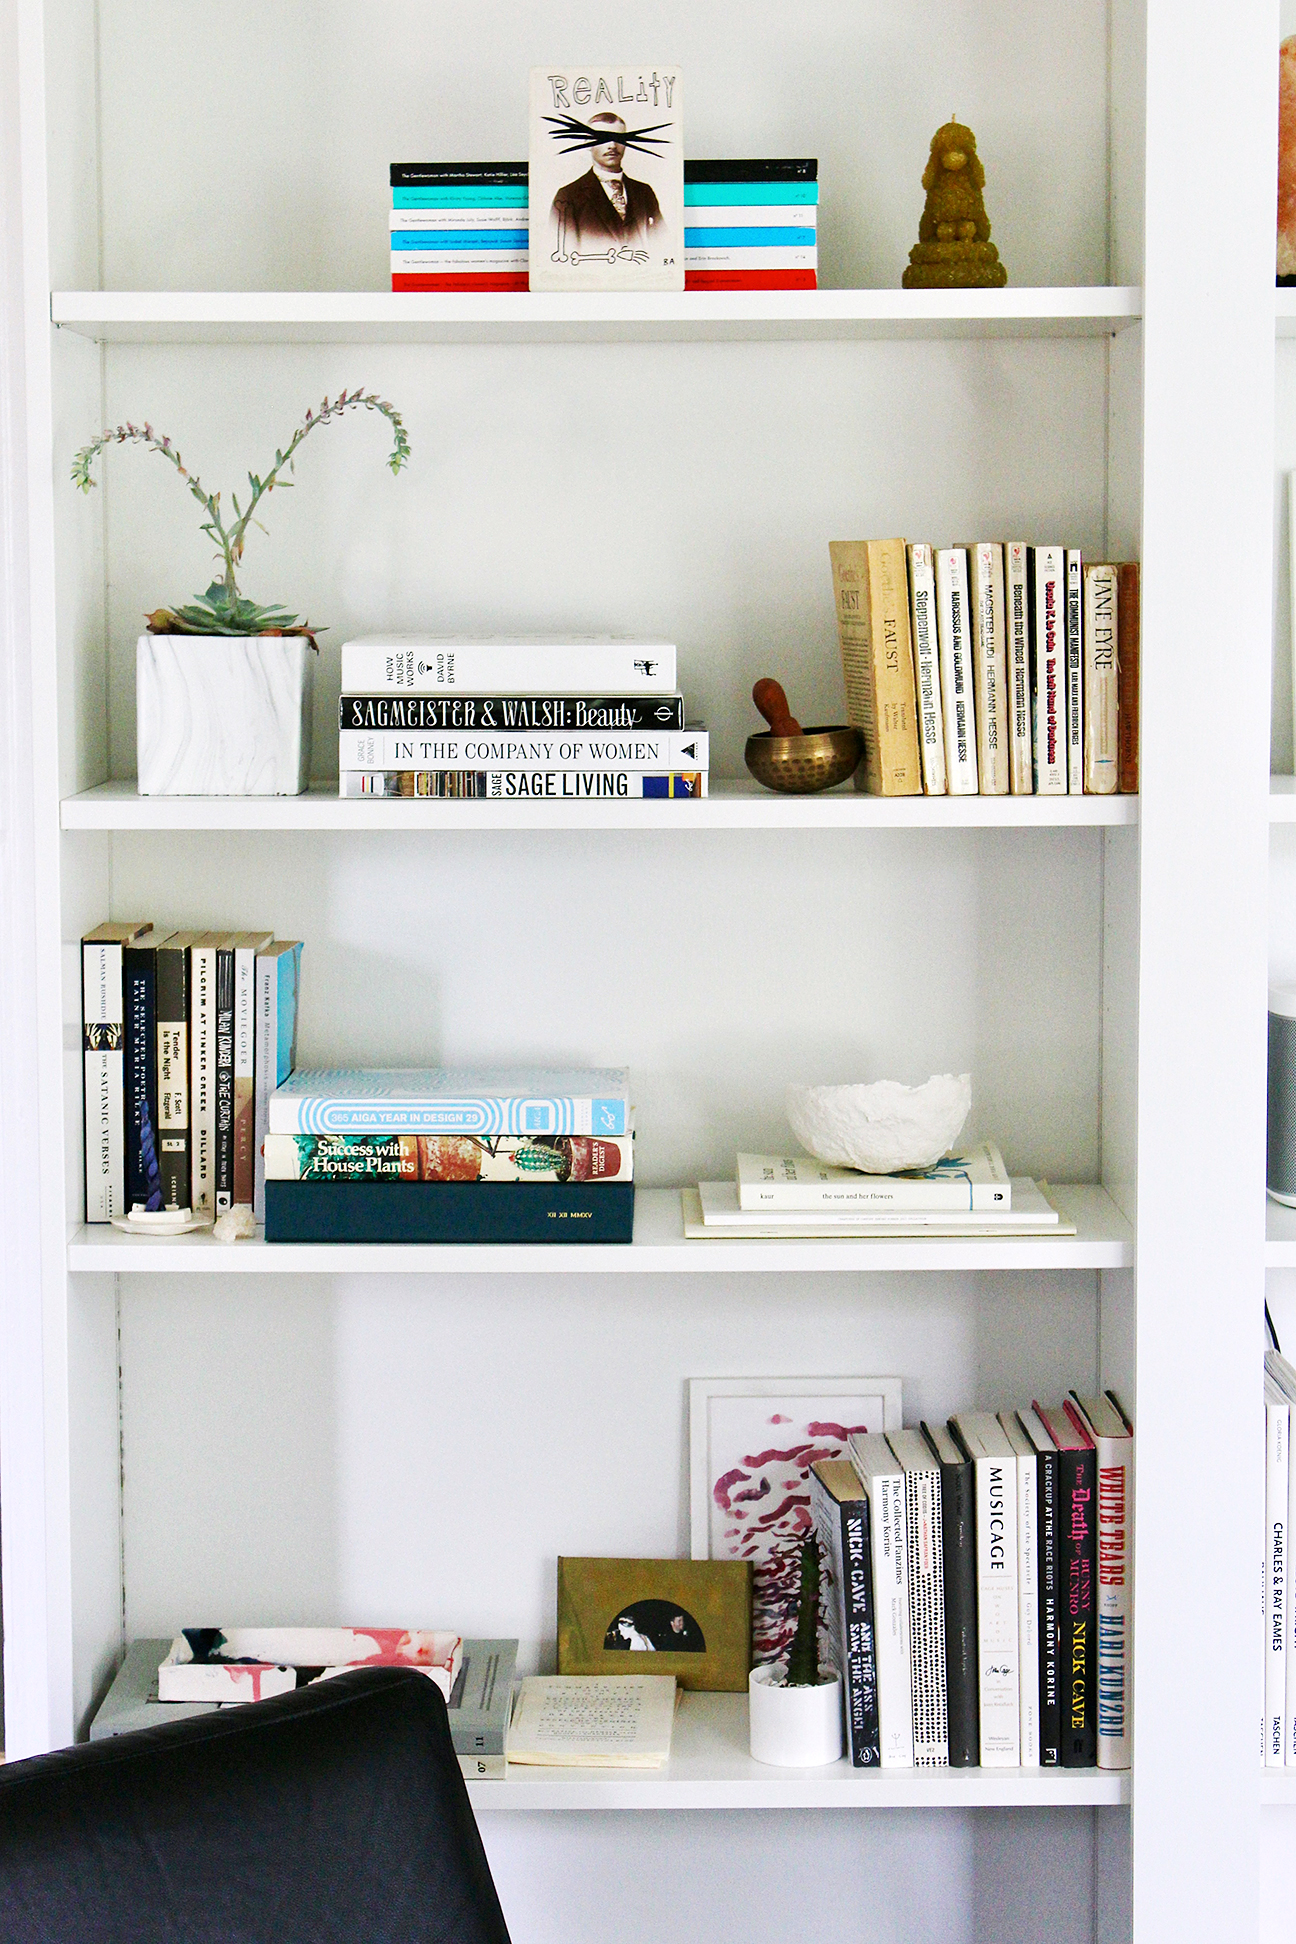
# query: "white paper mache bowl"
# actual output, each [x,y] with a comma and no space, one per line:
[884,1127]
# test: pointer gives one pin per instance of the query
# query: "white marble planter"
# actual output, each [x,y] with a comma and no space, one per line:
[796,1727]
[223,715]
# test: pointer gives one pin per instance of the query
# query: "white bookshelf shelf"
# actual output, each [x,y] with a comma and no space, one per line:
[734,804]
[1104,1240]
[1285,313]
[710,1768]
[417,317]
[1282,798]
[1278,1788]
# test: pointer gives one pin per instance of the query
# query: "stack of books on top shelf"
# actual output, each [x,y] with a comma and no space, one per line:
[459,226]
[1278,1738]
[979,1596]
[748,225]
[751,225]
[478,1696]
[443,1155]
[996,669]
[510,718]
[186,1034]
[792,1196]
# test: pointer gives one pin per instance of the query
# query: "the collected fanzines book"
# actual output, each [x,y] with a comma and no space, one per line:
[450,1155]
[995,668]
[607,178]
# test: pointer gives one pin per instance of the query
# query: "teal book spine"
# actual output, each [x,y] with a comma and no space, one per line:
[448,1211]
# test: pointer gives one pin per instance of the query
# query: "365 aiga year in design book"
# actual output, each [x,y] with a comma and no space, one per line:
[607,178]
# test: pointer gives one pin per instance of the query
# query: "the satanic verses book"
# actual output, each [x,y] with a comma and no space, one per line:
[607,178]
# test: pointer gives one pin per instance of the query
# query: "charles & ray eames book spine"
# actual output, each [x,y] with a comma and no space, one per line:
[450,1155]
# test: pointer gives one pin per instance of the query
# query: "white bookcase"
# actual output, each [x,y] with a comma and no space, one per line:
[193,229]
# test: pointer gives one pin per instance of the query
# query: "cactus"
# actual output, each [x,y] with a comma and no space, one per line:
[803,1659]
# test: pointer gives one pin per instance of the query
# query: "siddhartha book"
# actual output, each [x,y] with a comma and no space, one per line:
[607,178]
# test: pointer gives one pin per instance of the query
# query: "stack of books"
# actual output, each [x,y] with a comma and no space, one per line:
[979,1592]
[751,225]
[994,669]
[794,1196]
[563,717]
[186,1035]
[443,1155]
[1278,1749]
[459,226]
[478,1700]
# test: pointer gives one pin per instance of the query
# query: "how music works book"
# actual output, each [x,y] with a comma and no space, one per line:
[452,1100]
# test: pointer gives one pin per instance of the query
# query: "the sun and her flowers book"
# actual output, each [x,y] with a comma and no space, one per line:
[607,178]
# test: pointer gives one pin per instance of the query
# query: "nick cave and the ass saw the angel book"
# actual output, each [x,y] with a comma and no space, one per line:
[607,178]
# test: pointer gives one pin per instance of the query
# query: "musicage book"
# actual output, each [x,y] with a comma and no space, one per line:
[607,178]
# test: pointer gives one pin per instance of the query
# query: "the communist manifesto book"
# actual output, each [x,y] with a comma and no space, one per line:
[607,178]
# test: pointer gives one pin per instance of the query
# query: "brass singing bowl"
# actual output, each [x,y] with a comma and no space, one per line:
[799,765]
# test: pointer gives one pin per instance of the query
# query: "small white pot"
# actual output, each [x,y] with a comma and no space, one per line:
[794,1727]
[223,715]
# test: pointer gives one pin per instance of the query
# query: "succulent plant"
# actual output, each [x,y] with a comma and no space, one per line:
[803,1656]
[222,609]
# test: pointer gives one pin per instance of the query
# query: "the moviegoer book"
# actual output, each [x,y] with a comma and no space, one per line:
[446,1157]
[562,785]
[103,1037]
[840,1511]
[1027,1586]
[526,749]
[452,1100]
[883,1480]
[1048,1541]
[994,1461]
[926,1596]
[871,589]
[422,664]
[1078,1568]
[545,712]
[607,178]
[1113,1439]
[173,1067]
[958,1560]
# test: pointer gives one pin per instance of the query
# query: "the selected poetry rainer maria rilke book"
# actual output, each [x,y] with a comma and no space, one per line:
[871,588]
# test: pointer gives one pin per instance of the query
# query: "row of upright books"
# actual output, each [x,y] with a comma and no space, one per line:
[450,1155]
[185,1036]
[996,669]
[465,226]
[515,718]
[979,1598]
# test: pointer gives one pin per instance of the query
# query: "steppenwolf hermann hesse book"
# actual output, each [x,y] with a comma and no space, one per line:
[607,178]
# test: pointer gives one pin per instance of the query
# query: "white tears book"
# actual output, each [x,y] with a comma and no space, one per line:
[607,178]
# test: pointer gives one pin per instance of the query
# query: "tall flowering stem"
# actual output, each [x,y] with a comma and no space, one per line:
[229,537]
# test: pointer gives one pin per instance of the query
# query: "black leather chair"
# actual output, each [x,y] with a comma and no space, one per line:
[335,1815]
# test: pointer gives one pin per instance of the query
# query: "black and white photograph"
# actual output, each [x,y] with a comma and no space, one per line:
[607,179]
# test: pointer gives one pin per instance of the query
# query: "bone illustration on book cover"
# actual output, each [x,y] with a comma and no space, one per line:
[607,178]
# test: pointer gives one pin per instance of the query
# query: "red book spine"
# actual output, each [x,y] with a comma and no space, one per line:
[751,280]
[467,280]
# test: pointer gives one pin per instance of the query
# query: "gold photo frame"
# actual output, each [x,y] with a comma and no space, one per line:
[686,1617]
